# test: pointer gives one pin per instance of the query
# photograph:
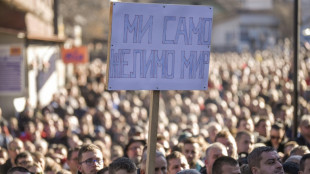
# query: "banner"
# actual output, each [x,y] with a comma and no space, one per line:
[75,55]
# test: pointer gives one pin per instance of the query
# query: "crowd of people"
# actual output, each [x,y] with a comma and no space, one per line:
[244,118]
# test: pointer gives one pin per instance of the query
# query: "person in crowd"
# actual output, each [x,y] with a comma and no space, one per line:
[188,171]
[190,150]
[29,131]
[73,159]
[213,152]
[161,139]
[134,150]
[122,165]
[90,159]
[213,129]
[277,137]
[245,142]
[265,160]
[245,169]
[176,162]
[300,150]
[262,127]
[245,123]
[294,158]
[226,165]
[288,148]
[304,166]
[291,165]
[41,146]
[228,141]
[18,170]
[24,159]
[35,168]
[51,166]
[230,122]
[304,127]
[5,136]
[3,155]
[160,163]
[39,159]
[15,147]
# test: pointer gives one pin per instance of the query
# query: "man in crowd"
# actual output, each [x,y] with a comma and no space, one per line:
[24,159]
[191,149]
[15,147]
[160,163]
[304,126]
[225,165]
[72,160]
[277,137]
[90,159]
[265,160]
[228,141]
[134,150]
[122,165]
[176,162]
[262,127]
[304,167]
[245,142]
[213,152]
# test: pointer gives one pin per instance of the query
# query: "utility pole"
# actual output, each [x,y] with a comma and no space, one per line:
[296,65]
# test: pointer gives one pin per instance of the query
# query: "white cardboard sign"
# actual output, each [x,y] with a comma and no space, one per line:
[159,47]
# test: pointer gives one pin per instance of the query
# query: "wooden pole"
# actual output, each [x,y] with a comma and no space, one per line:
[152,134]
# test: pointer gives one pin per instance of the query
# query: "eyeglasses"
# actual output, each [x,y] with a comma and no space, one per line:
[91,161]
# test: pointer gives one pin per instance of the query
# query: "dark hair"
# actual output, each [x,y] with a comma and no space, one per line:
[302,161]
[291,167]
[278,126]
[218,163]
[122,163]
[190,140]
[243,158]
[261,119]
[255,157]
[131,141]
[17,169]
[22,155]
[101,171]
[173,155]
[245,169]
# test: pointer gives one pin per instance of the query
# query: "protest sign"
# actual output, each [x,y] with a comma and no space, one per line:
[159,47]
